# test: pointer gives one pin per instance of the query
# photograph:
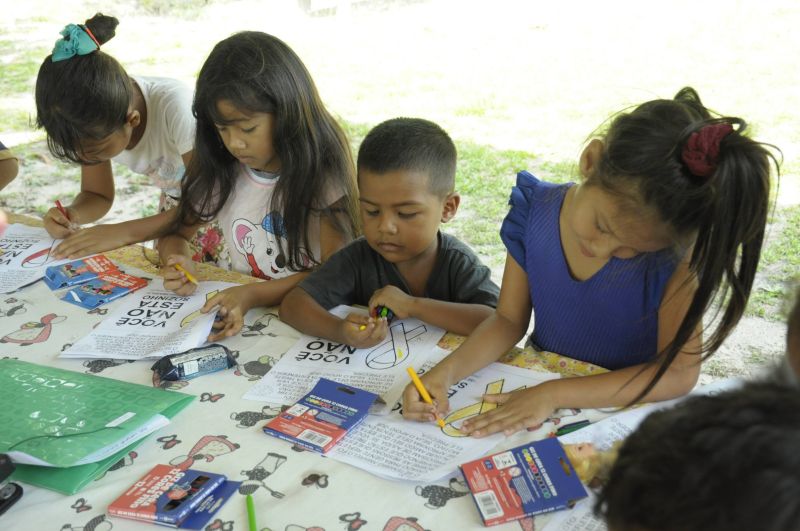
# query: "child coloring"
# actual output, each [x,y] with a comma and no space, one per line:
[94,112]
[406,183]
[271,165]
[621,268]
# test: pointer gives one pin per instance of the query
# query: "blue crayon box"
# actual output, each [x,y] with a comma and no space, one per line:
[78,271]
[531,479]
[323,416]
[105,288]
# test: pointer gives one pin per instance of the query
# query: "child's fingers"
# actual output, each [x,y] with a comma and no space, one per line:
[213,302]
[414,408]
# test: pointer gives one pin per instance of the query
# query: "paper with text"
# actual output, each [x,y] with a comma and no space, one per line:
[151,323]
[394,448]
[26,253]
[380,369]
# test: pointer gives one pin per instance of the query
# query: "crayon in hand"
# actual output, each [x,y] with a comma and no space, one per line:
[188,275]
[423,393]
[60,207]
[383,311]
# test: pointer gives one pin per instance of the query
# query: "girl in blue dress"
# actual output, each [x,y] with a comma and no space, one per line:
[620,269]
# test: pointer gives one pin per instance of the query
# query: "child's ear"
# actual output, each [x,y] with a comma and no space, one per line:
[450,206]
[133,118]
[590,157]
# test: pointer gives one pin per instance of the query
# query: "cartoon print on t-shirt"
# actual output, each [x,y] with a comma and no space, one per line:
[263,249]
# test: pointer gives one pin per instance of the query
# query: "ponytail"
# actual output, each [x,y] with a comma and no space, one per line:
[706,179]
[82,93]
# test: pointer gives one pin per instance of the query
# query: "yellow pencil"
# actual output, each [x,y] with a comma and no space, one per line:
[189,276]
[423,393]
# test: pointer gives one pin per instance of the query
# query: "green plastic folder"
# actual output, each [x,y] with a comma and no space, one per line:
[62,417]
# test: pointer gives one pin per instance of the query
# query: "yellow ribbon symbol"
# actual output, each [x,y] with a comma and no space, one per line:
[194,315]
[473,410]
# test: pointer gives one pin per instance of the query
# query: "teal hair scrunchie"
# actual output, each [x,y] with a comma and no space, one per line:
[74,41]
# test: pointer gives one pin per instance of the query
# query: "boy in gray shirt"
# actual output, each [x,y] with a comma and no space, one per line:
[406,179]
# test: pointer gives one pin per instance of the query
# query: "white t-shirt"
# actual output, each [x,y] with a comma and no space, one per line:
[255,238]
[169,133]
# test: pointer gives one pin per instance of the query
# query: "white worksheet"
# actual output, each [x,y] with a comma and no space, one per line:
[26,253]
[380,369]
[151,323]
[391,447]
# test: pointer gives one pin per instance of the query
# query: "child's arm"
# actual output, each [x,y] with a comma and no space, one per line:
[233,303]
[456,317]
[300,311]
[9,167]
[92,202]
[531,407]
[490,340]
[102,238]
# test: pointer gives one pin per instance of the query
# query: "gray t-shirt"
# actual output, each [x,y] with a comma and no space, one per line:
[354,273]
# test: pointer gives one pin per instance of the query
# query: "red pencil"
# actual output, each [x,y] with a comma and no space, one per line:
[61,209]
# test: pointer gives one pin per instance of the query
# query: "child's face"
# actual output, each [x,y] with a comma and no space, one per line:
[602,230]
[248,136]
[103,150]
[400,214]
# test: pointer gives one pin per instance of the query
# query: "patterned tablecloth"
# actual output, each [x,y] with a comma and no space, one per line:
[220,432]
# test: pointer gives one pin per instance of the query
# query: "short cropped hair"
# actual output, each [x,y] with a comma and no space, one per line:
[719,462]
[411,144]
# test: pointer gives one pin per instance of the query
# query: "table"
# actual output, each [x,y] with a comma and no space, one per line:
[220,432]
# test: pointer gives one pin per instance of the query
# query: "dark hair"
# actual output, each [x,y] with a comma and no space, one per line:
[725,214]
[793,329]
[411,144]
[83,97]
[257,72]
[723,462]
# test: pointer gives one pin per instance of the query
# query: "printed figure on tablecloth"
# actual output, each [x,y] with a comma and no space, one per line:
[13,307]
[318,480]
[398,523]
[248,419]
[256,369]
[99,365]
[33,331]
[208,448]
[219,525]
[81,505]
[263,249]
[353,520]
[260,324]
[256,475]
[98,523]
[438,495]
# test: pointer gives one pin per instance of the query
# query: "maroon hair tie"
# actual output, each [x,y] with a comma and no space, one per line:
[701,150]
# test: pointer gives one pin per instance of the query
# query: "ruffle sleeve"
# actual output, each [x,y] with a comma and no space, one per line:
[515,224]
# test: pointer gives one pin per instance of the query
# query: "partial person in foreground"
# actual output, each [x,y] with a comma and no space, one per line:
[725,462]
[406,181]
[620,268]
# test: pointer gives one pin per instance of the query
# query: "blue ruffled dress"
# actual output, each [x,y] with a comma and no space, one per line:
[609,319]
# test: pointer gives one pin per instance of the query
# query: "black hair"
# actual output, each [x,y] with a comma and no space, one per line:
[724,214]
[85,97]
[724,462]
[257,72]
[411,144]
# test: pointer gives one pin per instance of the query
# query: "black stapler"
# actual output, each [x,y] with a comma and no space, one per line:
[9,492]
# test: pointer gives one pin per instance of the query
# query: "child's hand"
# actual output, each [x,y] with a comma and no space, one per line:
[415,408]
[361,331]
[92,240]
[57,225]
[393,298]
[175,280]
[232,304]
[526,408]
